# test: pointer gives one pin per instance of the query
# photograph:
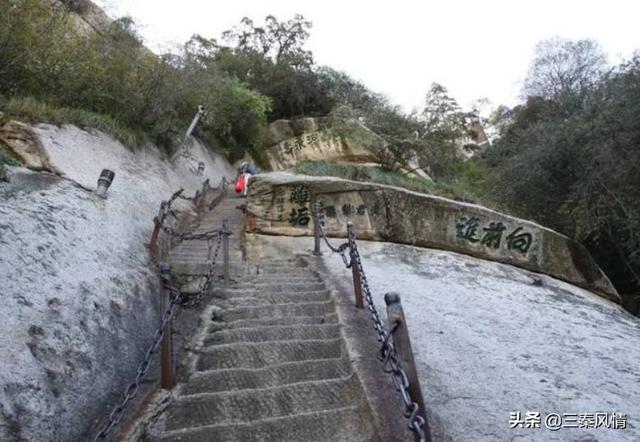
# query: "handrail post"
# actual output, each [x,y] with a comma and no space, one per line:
[167,379]
[316,230]
[355,270]
[402,342]
[225,249]
[153,242]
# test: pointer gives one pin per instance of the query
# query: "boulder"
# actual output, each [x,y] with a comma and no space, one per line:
[23,144]
[282,204]
[314,139]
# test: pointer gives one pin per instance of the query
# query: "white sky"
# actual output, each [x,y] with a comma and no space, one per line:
[474,48]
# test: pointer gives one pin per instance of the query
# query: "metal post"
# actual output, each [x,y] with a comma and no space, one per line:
[153,243]
[402,343]
[225,249]
[104,181]
[167,379]
[357,282]
[316,230]
[195,120]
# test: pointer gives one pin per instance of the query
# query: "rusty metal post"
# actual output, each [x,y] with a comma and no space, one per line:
[402,342]
[153,243]
[316,230]
[225,249]
[167,378]
[357,281]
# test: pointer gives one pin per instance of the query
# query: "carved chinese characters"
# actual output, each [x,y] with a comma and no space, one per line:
[469,229]
[300,199]
[291,146]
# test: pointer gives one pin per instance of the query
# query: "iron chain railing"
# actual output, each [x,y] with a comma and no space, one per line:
[341,249]
[132,389]
[189,236]
[166,210]
[387,353]
[204,287]
[176,299]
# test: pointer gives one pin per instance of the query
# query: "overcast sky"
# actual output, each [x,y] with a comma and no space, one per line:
[399,47]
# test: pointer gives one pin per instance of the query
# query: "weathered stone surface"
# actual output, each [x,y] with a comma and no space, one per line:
[79,294]
[24,144]
[313,139]
[281,203]
[85,17]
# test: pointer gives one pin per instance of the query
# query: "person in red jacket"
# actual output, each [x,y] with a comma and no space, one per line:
[246,171]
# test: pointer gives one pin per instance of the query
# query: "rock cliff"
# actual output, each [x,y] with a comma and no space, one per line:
[80,299]
[291,142]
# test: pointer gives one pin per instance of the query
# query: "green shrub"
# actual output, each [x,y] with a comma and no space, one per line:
[33,111]
[8,160]
[383,175]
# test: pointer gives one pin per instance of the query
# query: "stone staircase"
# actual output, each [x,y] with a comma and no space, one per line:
[269,362]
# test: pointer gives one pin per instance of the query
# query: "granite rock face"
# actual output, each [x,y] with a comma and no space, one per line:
[282,204]
[314,139]
[339,142]
[80,300]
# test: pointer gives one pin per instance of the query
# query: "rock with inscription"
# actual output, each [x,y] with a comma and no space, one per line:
[319,139]
[282,204]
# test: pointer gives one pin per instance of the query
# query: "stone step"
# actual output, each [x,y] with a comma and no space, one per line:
[255,298]
[276,277]
[272,376]
[283,273]
[276,270]
[329,318]
[199,265]
[346,424]
[253,284]
[274,333]
[275,286]
[263,354]
[246,405]
[191,267]
[282,265]
[276,311]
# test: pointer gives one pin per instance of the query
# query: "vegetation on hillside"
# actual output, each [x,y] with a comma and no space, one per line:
[50,71]
[569,156]
[256,73]
[384,175]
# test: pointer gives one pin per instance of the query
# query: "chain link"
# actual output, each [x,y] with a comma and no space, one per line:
[210,234]
[388,353]
[341,249]
[176,299]
[165,210]
[204,287]
[132,389]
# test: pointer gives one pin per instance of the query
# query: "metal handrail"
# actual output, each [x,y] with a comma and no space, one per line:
[395,352]
[172,298]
